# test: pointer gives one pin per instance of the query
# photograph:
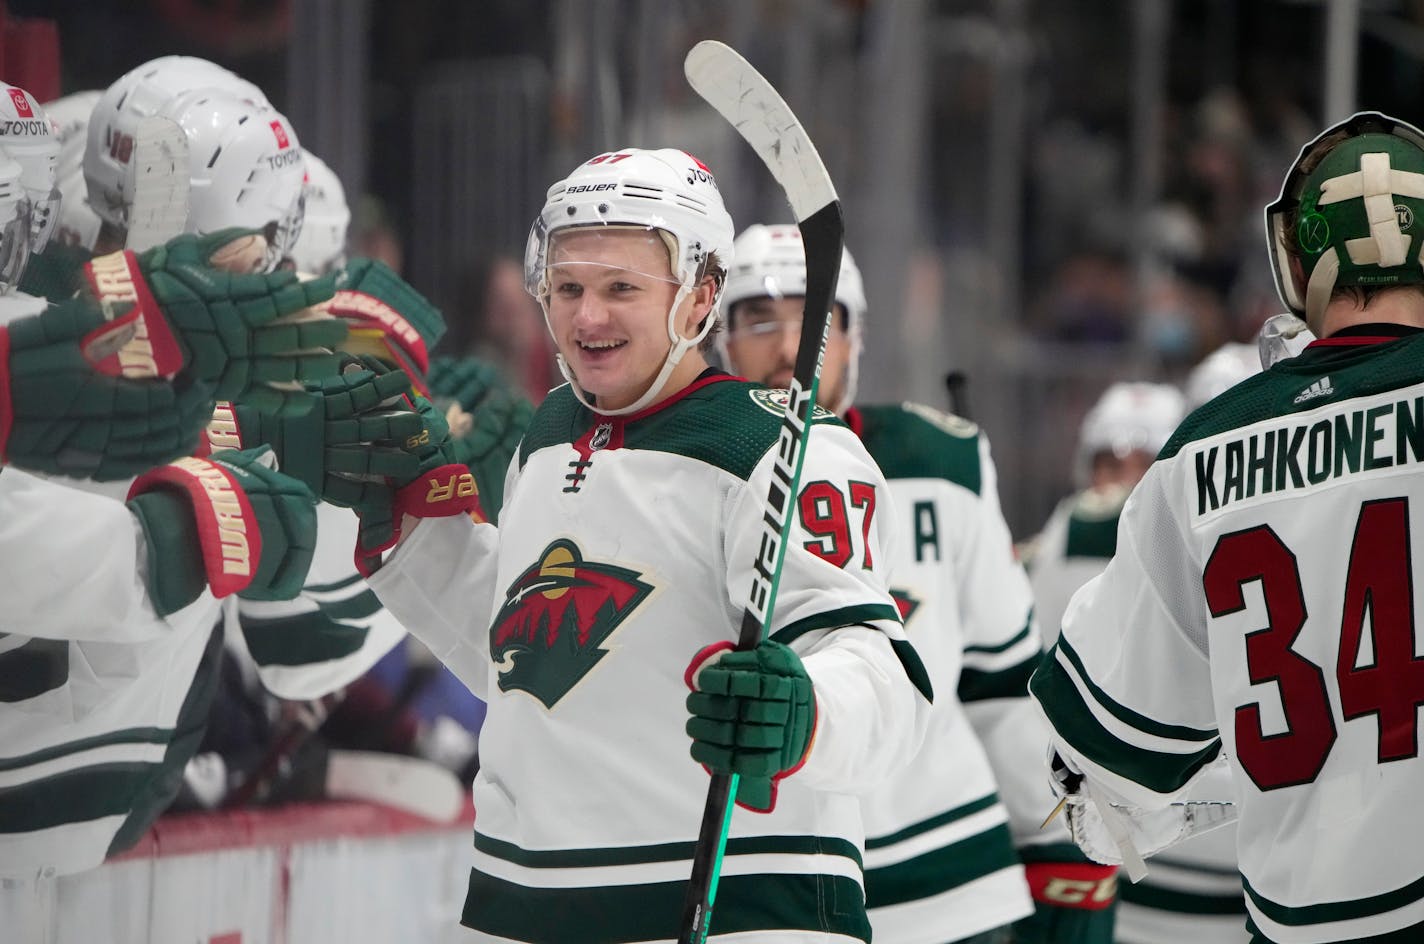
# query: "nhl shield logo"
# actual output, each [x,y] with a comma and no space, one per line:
[601,436]
[555,618]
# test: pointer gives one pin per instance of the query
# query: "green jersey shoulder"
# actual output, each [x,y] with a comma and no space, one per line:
[909,440]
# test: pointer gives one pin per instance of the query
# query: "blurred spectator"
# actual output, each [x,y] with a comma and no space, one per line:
[504,325]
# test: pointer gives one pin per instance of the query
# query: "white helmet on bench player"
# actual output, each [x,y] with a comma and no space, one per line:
[246,168]
[667,191]
[29,139]
[321,247]
[134,96]
[78,224]
[771,263]
[1129,417]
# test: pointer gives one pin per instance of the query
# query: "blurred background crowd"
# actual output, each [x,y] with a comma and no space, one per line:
[1047,197]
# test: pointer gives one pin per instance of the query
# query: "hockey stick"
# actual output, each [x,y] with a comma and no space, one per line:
[956,384]
[742,96]
[159,208]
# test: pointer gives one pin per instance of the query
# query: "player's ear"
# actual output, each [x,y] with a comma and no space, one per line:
[701,299]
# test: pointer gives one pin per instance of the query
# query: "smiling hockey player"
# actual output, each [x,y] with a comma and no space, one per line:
[625,548]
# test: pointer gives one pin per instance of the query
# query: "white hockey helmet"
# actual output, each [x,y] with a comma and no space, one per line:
[1219,371]
[321,247]
[136,95]
[29,139]
[771,263]
[246,168]
[1129,417]
[16,233]
[667,191]
[78,223]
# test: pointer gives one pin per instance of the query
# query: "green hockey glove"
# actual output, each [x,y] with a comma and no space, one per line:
[359,431]
[61,416]
[487,416]
[440,487]
[255,337]
[388,318]
[753,714]
[229,522]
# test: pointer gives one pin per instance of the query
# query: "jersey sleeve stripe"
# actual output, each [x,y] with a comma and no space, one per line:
[305,638]
[158,736]
[865,614]
[1171,732]
[660,852]
[1076,721]
[749,904]
[831,619]
[934,822]
[941,869]
[1017,638]
[975,685]
[1329,911]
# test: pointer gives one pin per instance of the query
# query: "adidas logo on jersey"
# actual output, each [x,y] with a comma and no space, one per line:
[1321,388]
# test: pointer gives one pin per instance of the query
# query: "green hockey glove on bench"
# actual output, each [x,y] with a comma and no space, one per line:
[61,416]
[254,336]
[228,522]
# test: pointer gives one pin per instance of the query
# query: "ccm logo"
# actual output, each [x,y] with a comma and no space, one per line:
[281,134]
[1077,891]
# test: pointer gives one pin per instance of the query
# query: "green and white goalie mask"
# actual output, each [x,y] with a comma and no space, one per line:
[1356,216]
[667,195]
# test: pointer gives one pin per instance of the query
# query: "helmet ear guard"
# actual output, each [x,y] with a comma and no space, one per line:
[1349,214]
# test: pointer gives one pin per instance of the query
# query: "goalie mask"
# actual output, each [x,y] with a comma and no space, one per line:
[246,168]
[1354,217]
[771,263]
[1128,417]
[78,224]
[666,192]
[321,247]
[29,139]
[136,95]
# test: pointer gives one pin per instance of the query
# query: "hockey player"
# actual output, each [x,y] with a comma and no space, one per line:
[246,165]
[627,546]
[940,852]
[1119,439]
[1234,622]
[1195,894]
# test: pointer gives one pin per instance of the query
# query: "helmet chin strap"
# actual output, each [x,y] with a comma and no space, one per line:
[678,347]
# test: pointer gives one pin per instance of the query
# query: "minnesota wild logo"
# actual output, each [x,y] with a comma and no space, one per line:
[556,616]
[906,604]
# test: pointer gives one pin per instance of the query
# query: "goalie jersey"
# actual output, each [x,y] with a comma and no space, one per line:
[1261,605]
[1192,892]
[626,545]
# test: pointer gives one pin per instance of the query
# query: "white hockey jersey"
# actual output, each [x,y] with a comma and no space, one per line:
[332,632]
[1260,605]
[940,860]
[1192,892]
[99,709]
[626,545]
